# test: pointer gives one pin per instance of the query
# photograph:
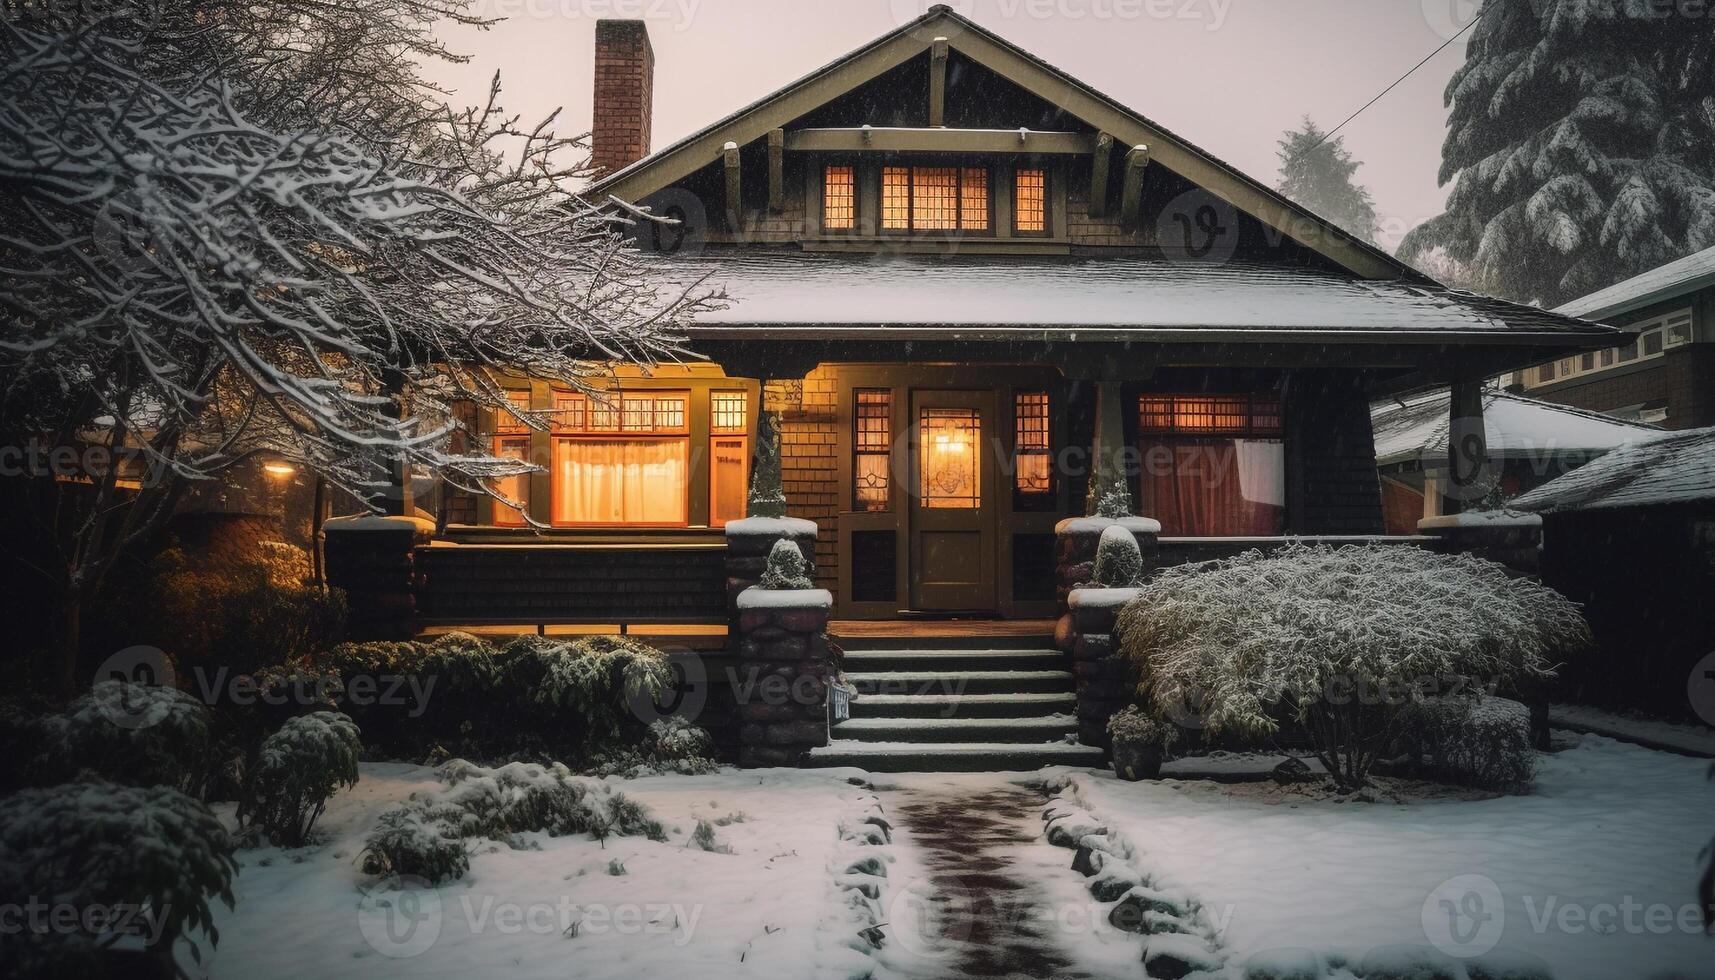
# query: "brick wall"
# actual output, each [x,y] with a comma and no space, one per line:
[624,93]
[809,470]
[1684,378]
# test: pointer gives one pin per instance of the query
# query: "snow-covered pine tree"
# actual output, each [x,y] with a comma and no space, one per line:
[1110,493]
[1318,173]
[1578,144]
[767,496]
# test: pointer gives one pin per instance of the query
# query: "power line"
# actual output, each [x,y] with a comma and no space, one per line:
[1490,5]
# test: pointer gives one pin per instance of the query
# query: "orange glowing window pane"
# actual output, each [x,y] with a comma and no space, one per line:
[1030,197]
[727,411]
[506,422]
[1236,415]
[872,443]
[949,473]
[934,198]
[973,199]
[613,412]
[729,478]
[839,198]
[1030,412]
[896,197]
[514,488]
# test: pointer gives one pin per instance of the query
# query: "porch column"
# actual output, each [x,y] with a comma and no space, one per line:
[1467,443]
[1109,442]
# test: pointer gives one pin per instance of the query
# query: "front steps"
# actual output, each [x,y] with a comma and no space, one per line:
[957,704]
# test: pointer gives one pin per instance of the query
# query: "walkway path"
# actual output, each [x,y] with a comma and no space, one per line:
[978,892]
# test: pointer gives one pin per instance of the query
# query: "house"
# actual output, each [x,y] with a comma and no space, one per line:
[962,281]
[1632,537]
[1665,372]
[1529,443]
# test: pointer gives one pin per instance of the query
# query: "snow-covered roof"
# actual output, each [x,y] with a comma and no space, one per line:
[1514,426]
[1671,468]
[971,297]
[1664,282]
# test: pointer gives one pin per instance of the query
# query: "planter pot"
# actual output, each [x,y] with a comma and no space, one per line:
[1137,760]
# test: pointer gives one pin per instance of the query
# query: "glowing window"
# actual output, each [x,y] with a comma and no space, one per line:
[513,488]
[1030,439]
[620,458]
[1030,201]
[872,446]
[949,474]
[839,198]
[727,411]
[934,198]
[1255,415]
[729,478]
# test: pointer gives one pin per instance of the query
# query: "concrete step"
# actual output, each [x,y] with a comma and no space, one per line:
[1048,728]
[952,682]
[929,658]
[1031,641]
[953,756]
[1027,705]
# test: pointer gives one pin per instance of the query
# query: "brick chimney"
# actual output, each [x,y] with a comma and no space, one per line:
[624,93]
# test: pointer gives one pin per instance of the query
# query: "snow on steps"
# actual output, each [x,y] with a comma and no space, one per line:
[1022,705]
[950,682]
[869,661]
[1044,729]
[954,756]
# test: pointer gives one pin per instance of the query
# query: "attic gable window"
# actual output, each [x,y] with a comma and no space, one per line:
[934,199]
[1030,201]
[839,198]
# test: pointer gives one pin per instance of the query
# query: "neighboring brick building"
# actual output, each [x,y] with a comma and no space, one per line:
[1666,375]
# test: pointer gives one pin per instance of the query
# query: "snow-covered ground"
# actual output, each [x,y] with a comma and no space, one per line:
[1688,739]
[768,909]
[1594,871]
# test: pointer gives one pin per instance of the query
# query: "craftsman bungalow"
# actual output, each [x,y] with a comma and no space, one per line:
[952,265]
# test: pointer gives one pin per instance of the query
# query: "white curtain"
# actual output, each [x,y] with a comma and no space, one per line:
[620,481]
[1262,471]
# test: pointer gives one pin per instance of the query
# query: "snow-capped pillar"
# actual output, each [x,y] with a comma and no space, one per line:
[784,669]
[1075,543]
[1104,686]
[374,560]
[748,542]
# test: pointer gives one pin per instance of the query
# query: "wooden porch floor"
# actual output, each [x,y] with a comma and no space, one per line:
[940,627]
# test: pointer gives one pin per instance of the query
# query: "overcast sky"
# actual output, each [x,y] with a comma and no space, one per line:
[1228,75]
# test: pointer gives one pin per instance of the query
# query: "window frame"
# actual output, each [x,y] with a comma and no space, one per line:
[854,223]
[1047,228]
[884,452]
[680,434]
[959,168]
[739,433]
[1659,330]
[1047,498]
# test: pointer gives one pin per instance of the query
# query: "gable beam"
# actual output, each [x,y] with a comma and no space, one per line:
[870,139]
[1131,188]
[776,170]
[734,205]
[1099,174]
[1228,185]
[938,82]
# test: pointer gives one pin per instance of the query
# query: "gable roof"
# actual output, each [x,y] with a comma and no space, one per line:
[1675,467]
[1660,284]
[1515,427]
[1129,299]
[673,163]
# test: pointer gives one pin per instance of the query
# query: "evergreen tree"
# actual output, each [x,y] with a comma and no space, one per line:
[767,497]
[1317,172]
[1580,146]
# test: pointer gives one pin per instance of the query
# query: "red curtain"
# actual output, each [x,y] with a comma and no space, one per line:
[1203,487]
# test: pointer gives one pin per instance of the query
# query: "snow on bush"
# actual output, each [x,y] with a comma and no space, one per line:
[1110,493]
[1342,639]
[1119,561]
[1483,741]
[136,734]
[786,568]
[602,678]
[151,851]
[1130,724]
[298,769]
[427,836]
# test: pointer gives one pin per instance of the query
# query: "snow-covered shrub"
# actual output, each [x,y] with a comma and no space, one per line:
[676,738]
[704,839]
[1119,561]
[786,568]
[298,769]
[1483,741]
[1110,493]
[442,692]
[426,835]
[136,734]
[600,678]
[148,848]
[1342,640]
[1131,724]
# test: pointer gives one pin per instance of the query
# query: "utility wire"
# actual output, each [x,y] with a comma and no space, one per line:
[1488,6]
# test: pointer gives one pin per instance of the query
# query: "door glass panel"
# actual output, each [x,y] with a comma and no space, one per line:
[949,474]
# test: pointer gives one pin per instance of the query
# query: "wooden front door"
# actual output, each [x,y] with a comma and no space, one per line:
[952,494]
